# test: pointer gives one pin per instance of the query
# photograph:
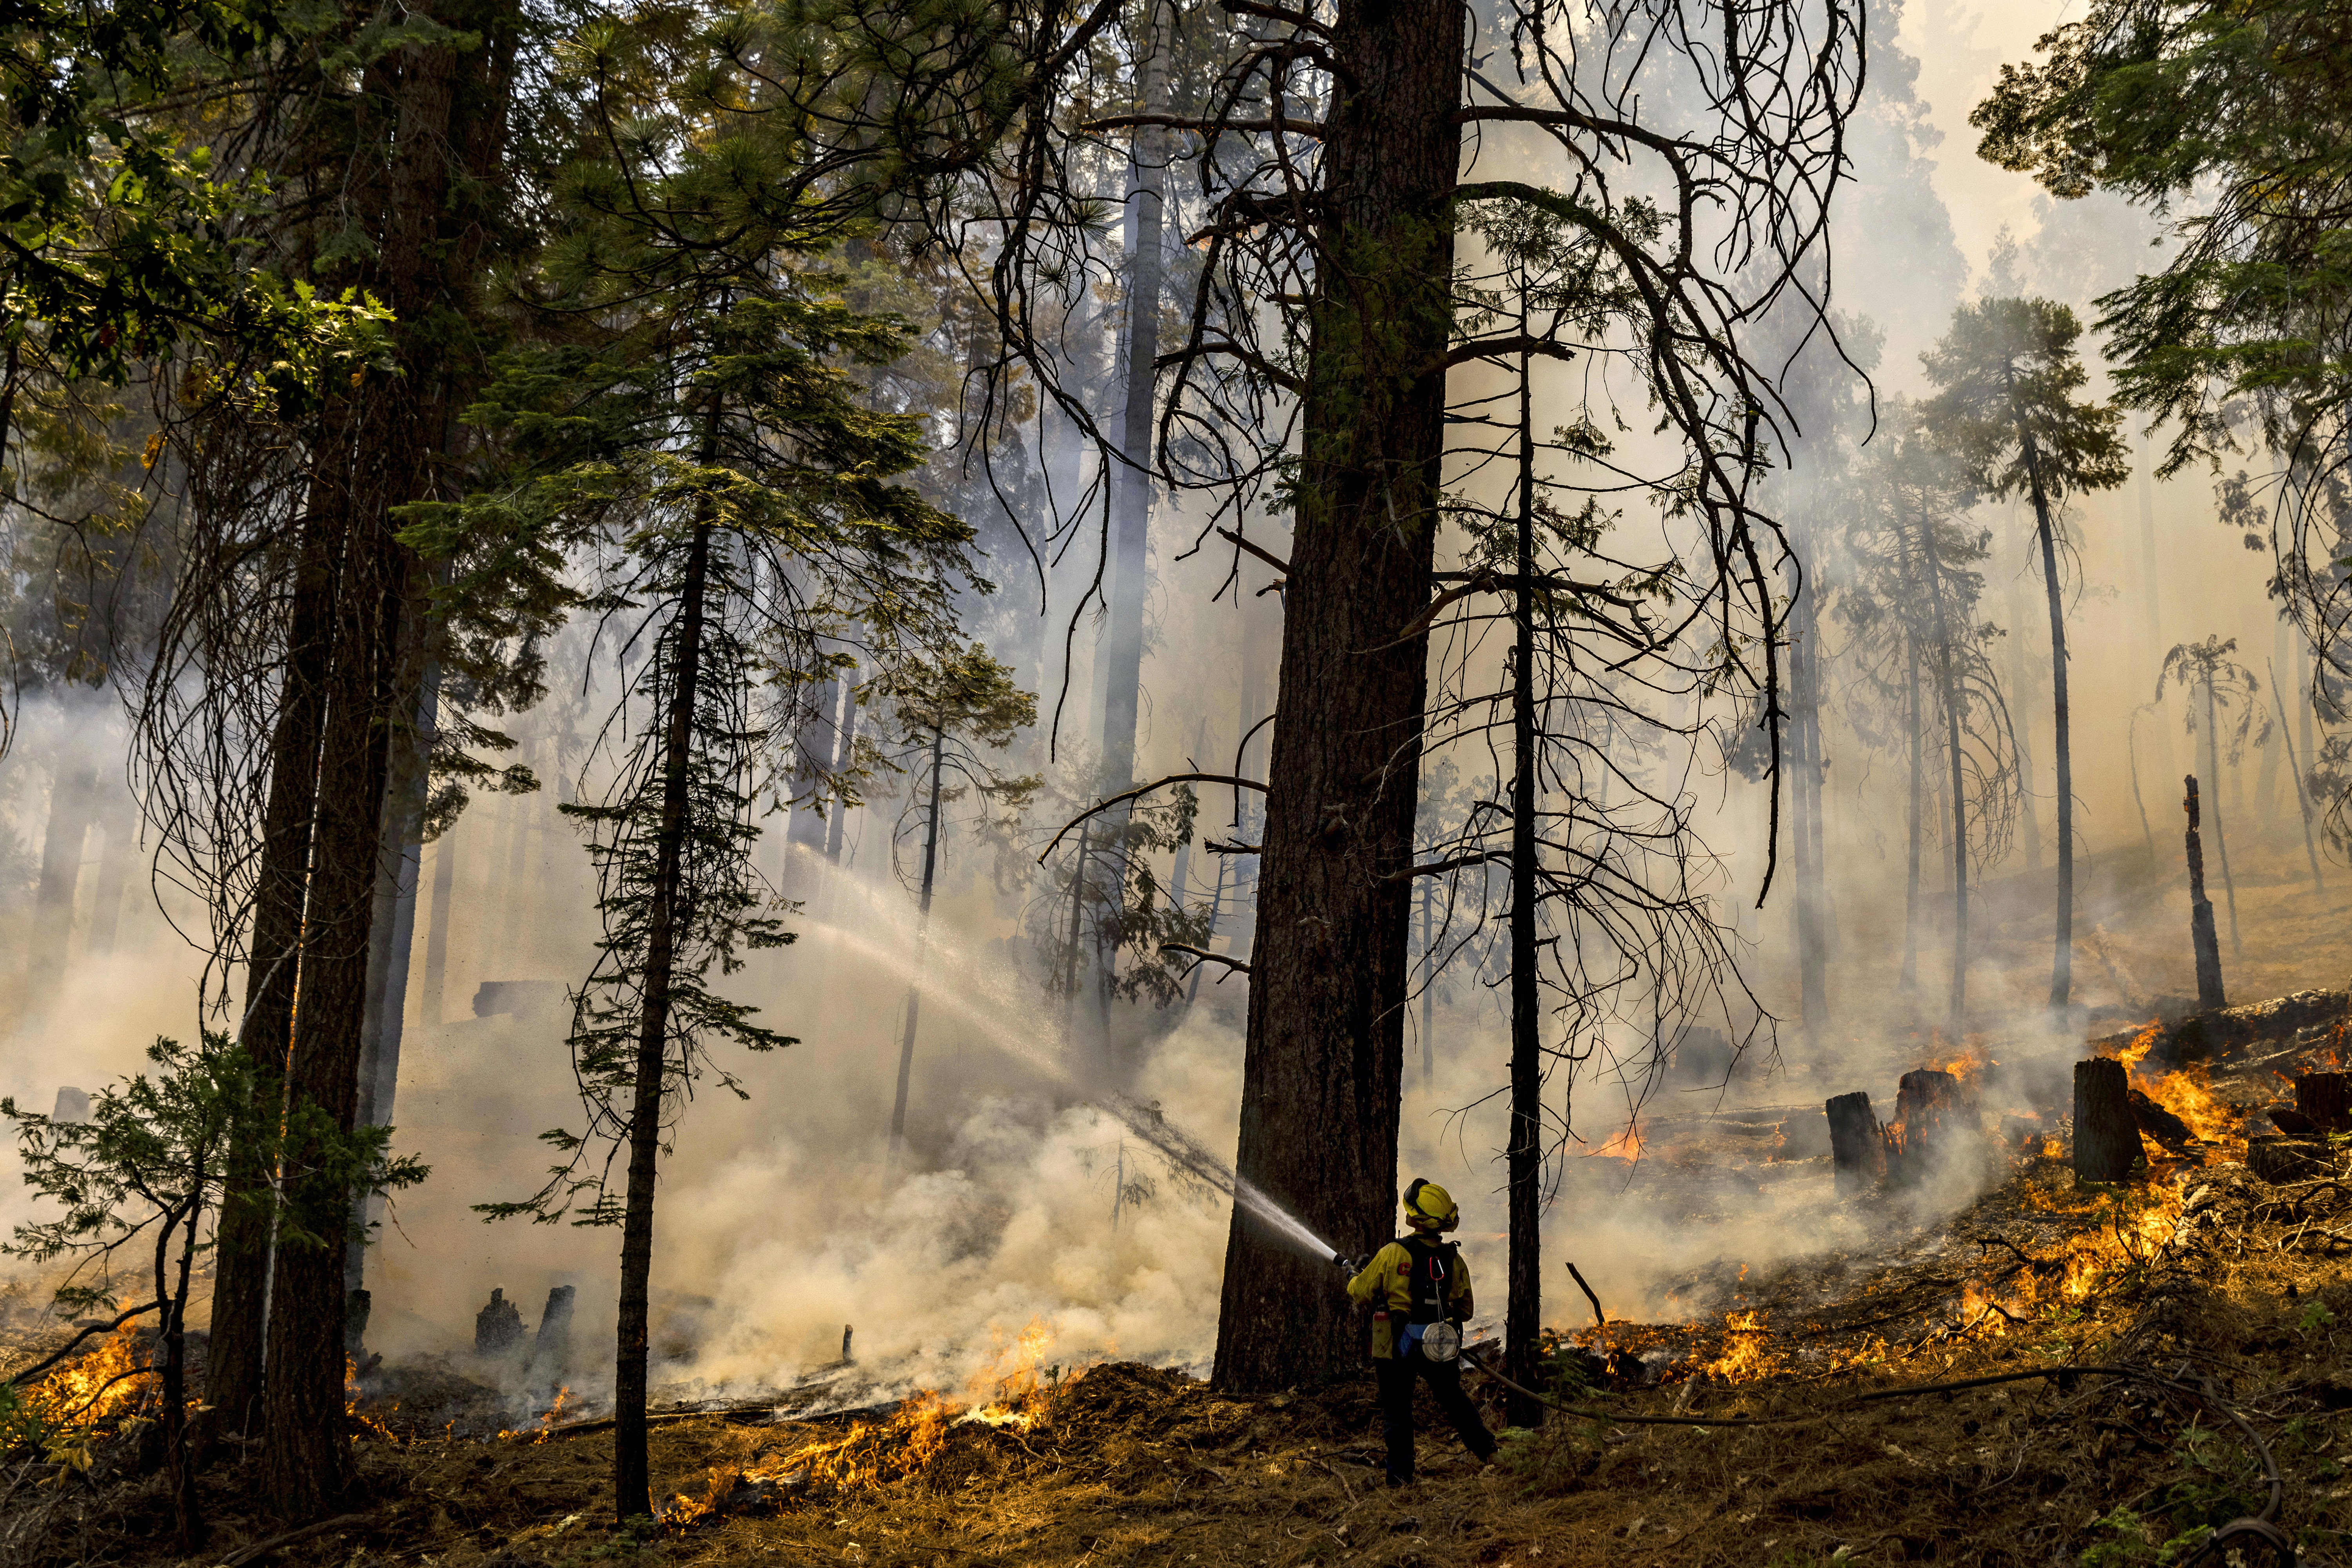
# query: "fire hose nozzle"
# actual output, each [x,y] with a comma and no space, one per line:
[1347,1263]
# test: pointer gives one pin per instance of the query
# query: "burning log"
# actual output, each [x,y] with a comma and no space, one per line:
[2160,1123]
[2107,1134]
[2326,1099]
[1857,1143]
[2202,934]
[498,1327]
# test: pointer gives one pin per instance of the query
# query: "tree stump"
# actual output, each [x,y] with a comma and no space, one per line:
[2326,1099]
[1857,1144]
[2284,1159]
[498,1327]
[551,1351]
[1931,1118]
[2107,1134]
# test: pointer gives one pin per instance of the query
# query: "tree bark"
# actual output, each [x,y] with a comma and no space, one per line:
[2107,1134]
[1523,1155]
[1857,1143]
[2204,944]
[1910,979]
[2061,970]
[2220,838]
[2295,766]
[1147,265]
[1948,693]
[922,935]
[308,1460]
[233,1370]
[1323,1068]
[632,1477]
[2326,1099]
[72,789]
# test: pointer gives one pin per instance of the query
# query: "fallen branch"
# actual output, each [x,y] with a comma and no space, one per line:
[269,1543]
[1599,1319]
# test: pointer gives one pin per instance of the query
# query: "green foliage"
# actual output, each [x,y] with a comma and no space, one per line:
[2008,375]
[2238,104]
[2206,672]
[151,1159]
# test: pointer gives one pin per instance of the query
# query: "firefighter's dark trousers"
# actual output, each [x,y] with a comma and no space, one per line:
[1396,1379]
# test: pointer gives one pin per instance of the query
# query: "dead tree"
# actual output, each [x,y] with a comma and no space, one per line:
[1857,1143]
[2202,937]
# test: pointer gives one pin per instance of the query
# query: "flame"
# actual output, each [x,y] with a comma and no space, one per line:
[1967,1064]
[1626,1146]
[106,1384]
[547,1419]
[1745,1349]
[1013,1389]
[2188,1095]
[351,1397]
[2141,1044]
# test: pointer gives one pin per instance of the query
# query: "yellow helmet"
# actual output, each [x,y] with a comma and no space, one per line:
[1429,1207]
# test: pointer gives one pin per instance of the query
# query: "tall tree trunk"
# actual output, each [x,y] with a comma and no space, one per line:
[72,789]
[922,936]
[437,939]
[2295,766]
[2061,967]
[1524,1152]
[2204,946]
[120,823]
[632,1477]
[1812,936]
[392,926]
[842,755]
[1949,694]
[1911,821]
[1131,483]
[2213,803]
[1428,984]
[1323,1070]
[308,1449]
[233,1368]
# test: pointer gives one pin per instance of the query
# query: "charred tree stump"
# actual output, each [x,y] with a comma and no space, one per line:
[2326,1099]
[2202,934]
[498,1327]
[551,1350]
[1932,1120]
[1857,1143]
[2288,1159]
[2107,1134]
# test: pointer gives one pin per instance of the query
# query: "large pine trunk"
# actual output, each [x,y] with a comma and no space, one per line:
[308,1449]
[631,1476]
[2061,965]
[1524,1152]
[242,1244]
[1323,1070]
[428,115]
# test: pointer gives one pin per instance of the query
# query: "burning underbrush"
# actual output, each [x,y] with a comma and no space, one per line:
[2047,1371]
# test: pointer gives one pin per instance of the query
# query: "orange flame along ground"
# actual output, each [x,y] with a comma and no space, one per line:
[2186,1092]
[105,1387]
[1625,1145]
[1016,1389]
[2008,1298]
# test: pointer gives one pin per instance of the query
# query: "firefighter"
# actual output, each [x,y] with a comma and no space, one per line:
[1419,1288]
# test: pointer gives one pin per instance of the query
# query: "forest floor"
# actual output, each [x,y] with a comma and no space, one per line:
[2226,1296]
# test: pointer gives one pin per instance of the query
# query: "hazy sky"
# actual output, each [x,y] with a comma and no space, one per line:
[1960,48]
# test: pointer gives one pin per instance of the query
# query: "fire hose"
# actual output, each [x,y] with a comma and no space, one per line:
[2260,1526]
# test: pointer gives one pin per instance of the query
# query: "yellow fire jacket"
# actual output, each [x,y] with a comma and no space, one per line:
[1387,1283]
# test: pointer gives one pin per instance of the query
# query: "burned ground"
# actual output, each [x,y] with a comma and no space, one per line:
[2225,1293]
